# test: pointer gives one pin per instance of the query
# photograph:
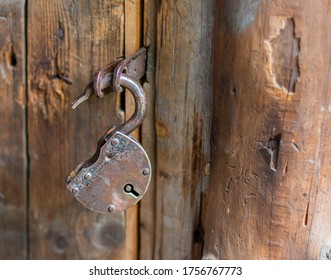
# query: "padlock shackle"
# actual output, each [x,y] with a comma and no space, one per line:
[140,105]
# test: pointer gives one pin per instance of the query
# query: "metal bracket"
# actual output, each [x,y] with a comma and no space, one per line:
[106,79]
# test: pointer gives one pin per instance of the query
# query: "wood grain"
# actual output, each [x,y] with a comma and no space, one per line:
[13,159]
[69,40]
[271,77]
[183,86]
[133,18]
[147,220]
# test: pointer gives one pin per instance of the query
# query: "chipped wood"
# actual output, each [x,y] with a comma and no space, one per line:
[271,76]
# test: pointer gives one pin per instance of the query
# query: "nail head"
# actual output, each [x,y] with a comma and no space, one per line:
[146,171]
[114,142]
[111,208]
[74,190]
[88,175]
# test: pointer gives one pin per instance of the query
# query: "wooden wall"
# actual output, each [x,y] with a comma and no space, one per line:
[271,73]
[13,158]
[237,128]
[42,138]
[182,124]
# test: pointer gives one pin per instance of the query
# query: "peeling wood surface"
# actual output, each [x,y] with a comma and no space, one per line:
[271,77]
[12,131]
[67,42]
[183,86]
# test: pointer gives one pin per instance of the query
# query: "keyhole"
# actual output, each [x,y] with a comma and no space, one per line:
[128,188]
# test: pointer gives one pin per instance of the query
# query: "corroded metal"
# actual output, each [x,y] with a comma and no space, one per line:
[118,174]
[107,78]
[116,180]
[140,105]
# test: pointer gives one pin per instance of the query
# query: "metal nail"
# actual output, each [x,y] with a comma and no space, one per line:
[111,208]
[146,171]
[74,190]
[114,142]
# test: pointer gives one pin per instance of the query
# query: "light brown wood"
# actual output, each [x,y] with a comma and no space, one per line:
[133,18]
[271,77]
[148,136]
[183,86]
[69,40]
[13,160]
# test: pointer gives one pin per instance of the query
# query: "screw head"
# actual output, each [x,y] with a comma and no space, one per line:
[146,171]
[74,190]
[109,157]
[114,142]
[88,175]
[111,208]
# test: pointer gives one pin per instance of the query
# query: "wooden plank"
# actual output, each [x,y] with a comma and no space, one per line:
[183,85]
[12,131]
[69,40]
[271,78]
[148,136]
[133,18]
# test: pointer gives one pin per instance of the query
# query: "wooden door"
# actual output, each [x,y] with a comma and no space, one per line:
[237,128]
[50,51]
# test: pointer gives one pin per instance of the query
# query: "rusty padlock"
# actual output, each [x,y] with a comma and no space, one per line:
[119,173]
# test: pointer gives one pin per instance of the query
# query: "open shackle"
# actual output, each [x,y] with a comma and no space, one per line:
[140,104]
[122,73]
[118,174]
[114,77]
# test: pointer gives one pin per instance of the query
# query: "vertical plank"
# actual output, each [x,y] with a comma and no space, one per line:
[133,18]
[183,85]
[271,79]
[12,131]
[319,213]
[68,41]
[148,136]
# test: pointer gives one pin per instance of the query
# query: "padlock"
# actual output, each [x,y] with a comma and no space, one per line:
[119,173]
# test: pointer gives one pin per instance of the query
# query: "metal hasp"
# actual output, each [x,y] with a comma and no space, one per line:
[118,174]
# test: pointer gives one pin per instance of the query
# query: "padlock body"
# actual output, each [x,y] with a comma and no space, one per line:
[117,180]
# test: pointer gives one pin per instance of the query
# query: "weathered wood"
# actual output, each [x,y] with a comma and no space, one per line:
[183,86]
[133,18]
[271,78]
[12,131]
[148,136]
[69,40]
